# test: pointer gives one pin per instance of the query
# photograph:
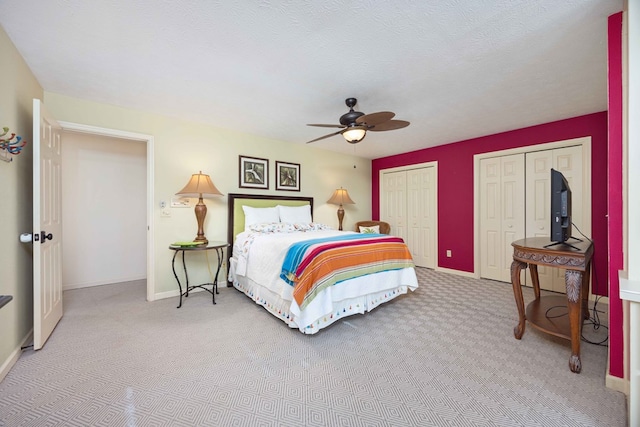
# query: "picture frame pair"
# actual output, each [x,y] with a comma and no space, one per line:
[254,173]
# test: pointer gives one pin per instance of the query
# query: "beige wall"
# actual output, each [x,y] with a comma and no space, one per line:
[182,148]
[18,87]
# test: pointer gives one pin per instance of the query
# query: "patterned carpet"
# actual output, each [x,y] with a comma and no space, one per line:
[444,355]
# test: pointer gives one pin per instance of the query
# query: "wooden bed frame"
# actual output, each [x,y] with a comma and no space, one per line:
[235,220]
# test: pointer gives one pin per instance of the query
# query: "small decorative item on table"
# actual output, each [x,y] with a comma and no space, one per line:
[186,244]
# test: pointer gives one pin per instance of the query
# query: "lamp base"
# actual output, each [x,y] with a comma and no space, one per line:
[340,217]
[201,213]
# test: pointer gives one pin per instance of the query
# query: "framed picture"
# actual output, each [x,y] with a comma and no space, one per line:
[287,176]
[254,172]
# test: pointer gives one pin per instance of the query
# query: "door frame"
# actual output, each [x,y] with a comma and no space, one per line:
[585,142]
[149,140]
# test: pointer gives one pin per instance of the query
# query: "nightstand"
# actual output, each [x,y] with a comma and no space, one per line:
[218,247]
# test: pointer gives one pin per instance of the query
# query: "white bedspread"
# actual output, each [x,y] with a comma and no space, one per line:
[257,261]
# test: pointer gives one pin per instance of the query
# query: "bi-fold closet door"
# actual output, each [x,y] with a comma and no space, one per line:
[502,208]
[514,203]
[538,190]
[408,204]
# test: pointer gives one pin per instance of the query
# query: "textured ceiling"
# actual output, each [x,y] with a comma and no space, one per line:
[455,69]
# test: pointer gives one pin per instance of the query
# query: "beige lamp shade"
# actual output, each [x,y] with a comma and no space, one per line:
[200,185]
[340,197]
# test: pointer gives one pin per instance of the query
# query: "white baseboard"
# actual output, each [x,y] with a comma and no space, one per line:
[69,286]
[456,272]
[617,384]
[167,294]
[15,355]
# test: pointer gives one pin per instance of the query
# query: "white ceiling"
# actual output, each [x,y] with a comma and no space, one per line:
[455,69]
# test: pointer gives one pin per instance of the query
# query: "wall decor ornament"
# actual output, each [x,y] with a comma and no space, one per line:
[8,146]
[254,172]
[287,176]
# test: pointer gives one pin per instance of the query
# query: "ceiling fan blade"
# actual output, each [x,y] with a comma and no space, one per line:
[389,125]
[326,136]
[327,126]
[374,119]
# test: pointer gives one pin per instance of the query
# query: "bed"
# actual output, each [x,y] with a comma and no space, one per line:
[307,274]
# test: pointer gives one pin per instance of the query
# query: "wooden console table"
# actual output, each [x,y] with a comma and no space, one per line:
[576,261]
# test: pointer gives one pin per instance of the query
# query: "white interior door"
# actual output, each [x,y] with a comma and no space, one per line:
[539,164]
[490,219]
[47,225]
[421,208]
[569,161]
[501,213]
[513,209]
[394,203]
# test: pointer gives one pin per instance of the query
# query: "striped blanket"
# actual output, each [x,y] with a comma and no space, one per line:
[313,265]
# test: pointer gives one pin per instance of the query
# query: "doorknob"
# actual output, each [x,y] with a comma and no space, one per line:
[26,237]
[42,237]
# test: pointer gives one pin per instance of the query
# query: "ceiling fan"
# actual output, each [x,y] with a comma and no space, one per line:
[354,124]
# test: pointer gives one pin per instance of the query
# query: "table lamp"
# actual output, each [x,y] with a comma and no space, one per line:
[200,185]
[340,197]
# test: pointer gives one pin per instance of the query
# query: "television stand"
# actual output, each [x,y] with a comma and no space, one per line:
[565,243]
[576,261]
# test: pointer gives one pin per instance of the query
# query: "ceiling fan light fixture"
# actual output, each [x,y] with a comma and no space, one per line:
[355,124]
[354,134]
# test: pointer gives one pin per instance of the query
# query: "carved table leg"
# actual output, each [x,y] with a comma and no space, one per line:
[535,281]
[516,267]
[584,290]
[573,282]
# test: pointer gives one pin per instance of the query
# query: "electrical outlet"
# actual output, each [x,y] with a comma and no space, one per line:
[166,213]
[448,253]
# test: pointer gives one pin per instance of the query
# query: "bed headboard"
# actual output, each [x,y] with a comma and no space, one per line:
[235,221]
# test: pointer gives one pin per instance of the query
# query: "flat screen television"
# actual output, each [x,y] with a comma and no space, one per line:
[560,208]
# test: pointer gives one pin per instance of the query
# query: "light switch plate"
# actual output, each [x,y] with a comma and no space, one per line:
[180,202]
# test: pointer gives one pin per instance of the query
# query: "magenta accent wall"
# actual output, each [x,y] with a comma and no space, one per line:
[614,191]
[455,185]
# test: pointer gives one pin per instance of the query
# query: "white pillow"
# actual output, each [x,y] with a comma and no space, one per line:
[259,216]
[374,229]
[295,214]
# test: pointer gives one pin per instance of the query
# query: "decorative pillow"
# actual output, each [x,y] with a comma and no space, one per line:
[295,214]
[374,229]
[310,226]
[259,216]
[286,227]
[318,226]
[272,227]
